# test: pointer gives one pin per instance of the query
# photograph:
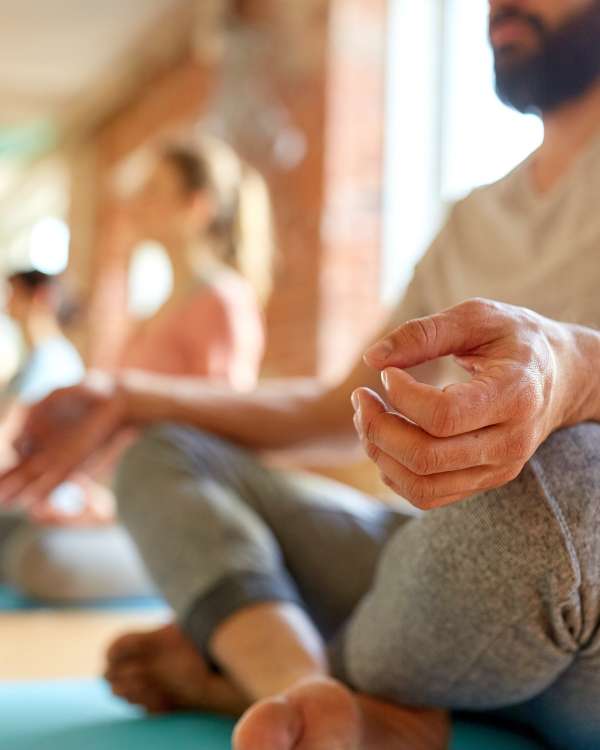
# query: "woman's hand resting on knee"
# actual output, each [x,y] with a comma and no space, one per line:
[529,377]
[61,434]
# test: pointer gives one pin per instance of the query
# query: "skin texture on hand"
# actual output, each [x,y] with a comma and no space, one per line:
[95,507]
[60,434]
[530,376]
[435,447]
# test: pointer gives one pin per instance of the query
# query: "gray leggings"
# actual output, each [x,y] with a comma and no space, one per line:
[492,604]
[70,565]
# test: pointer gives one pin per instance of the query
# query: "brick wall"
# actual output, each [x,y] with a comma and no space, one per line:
[324,68]
[350,306]
[172,101]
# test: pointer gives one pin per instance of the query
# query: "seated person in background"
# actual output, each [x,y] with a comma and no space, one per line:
[210,327]
[337,617]
[36,303]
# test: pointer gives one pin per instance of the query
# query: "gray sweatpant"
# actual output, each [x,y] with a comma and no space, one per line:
[492,604]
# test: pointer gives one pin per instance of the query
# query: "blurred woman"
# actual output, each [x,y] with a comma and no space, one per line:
[211,327]
[36,302]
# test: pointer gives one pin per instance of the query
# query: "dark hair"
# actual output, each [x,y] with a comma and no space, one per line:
[66,308]
[32,280]
[192,168]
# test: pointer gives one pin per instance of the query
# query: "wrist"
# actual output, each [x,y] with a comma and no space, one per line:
[582,360]
[108,387]
[146,397]
[127,395]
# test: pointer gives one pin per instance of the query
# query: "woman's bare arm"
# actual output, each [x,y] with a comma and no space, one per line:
[67,429]
[279,414]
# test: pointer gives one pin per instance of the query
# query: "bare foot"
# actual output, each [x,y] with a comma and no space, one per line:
[322,714]
[162,671]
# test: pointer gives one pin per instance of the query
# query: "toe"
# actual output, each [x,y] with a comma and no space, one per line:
[141,644]
[139,693]
[127,670]
[128,646]
[272,723]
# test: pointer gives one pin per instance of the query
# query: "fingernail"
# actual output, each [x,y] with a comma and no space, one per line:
[358,425]
[381,350]
[355,401]
[385,379]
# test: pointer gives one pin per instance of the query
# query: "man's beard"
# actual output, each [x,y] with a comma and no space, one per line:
[566,66]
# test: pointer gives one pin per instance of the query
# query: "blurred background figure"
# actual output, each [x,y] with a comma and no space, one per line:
[37,303]
[210,326]
[339,130]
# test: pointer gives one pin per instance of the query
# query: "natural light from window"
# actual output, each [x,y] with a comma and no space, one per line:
[150,279]
[447,132]
[49,245]
[483,139]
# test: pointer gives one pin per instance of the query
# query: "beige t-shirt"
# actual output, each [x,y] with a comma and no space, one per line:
[507,243]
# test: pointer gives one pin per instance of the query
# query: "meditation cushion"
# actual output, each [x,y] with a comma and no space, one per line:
[82,715]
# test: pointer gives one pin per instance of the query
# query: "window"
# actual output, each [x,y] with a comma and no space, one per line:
[49,245]
[150,280]
[446,130]
[482,139]
[411,175]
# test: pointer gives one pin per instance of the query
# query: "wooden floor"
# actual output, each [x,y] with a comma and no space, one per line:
[49,644]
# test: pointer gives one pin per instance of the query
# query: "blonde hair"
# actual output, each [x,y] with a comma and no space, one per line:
[241,233]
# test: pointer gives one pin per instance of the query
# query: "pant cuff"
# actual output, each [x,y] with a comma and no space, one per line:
[231,595]
[336,657]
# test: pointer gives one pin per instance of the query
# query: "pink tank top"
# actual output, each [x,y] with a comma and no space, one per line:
[215,331]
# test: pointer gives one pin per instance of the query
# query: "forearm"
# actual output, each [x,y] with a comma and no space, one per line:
[277,415]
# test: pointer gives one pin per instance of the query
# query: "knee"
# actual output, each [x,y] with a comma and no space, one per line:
[161,456]
[154,450]
[558,490]
[567,466]
[32,568]
[573,452]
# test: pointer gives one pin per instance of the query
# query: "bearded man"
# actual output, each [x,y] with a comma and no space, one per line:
[340,624]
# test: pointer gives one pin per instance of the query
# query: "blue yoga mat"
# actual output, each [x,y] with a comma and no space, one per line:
[82,715]
[467,736]
[13,601]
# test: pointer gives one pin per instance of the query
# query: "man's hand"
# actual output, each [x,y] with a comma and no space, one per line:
[529,377]
[60,434]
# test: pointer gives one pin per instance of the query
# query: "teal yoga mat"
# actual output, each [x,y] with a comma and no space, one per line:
[82,715]
[466,736]
[13,601]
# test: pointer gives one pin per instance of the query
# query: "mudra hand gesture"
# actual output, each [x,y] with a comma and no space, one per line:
[529,377]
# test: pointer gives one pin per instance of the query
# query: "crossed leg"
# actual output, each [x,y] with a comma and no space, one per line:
[311,547]
[471,607]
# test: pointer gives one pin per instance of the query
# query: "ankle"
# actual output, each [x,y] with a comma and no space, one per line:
[414,728]
[269,648]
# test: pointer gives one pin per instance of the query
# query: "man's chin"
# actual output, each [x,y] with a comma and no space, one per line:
[513,54]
